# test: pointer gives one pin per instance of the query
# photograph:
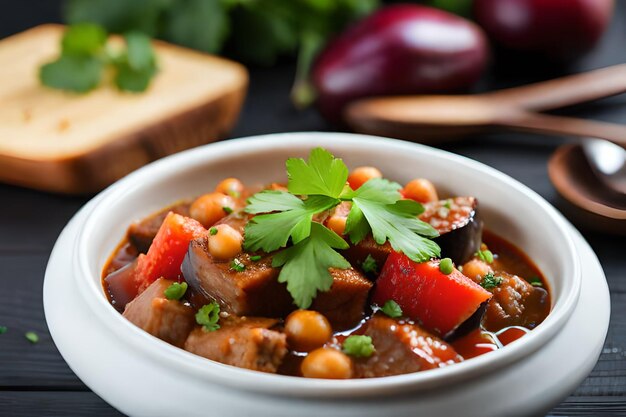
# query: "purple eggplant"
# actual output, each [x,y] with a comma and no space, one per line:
[400,49]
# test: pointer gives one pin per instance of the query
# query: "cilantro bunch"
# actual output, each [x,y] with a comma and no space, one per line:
[253,31]
[85,57]
[318,186]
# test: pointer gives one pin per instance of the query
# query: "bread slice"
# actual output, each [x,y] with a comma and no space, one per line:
[70,143]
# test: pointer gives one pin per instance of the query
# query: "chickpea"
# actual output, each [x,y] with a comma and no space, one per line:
[224,242]
[327,363]
[337,224]
[230,186]
[361,175]
[420,190]
[307,330]
[476,269]
[209,208]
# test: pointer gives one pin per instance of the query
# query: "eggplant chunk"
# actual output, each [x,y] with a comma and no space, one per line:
[459,224]
[255,291]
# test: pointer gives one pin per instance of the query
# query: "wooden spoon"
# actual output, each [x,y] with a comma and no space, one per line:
[435,118]
[593,205]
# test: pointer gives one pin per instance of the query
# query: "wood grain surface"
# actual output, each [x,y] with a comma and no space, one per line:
[34,379]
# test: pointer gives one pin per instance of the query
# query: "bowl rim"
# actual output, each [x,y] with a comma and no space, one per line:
[214,372]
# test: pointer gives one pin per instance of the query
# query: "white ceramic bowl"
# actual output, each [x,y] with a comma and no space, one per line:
[141,375]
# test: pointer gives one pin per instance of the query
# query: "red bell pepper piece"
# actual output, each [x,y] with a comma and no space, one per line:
[168,250]
[438,301]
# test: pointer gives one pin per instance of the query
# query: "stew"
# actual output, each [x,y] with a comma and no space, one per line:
[334,274]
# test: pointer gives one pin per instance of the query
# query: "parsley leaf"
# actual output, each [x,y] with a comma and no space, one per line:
[32,337]
[305,264]
[73,73]
[369,265]
[269,232]
[535,281]
[208,317]
[176,291]
[322,175]
[392,219]
[392,309]
[490,281]
[358,346]
[83,39]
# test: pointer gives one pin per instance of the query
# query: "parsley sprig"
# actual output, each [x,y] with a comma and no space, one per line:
[316,186]
[85,56]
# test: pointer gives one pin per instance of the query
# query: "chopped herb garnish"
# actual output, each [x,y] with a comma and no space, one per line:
[448,203]
[86,56]
[359,346]
[535,282]
[446,266]
[3,329]
[237,265]
[369,265]
[208,317]
[213,231]
[318,185]
[32,337]
[227,210]
[490,281]
[485,255]
[255,258]
[392,309]
[234,193]
[176,291]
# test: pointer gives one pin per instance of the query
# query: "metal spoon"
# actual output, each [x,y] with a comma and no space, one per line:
[608,161]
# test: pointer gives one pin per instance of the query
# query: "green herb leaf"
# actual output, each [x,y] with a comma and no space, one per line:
[269,232]
[485,256]
[213,231]
[323,174]
[395,221]
[237,266]
[32,337]
[446,266]
[74,73]
[83,39]
[255,258]
[305,264]
[198,24]
[137,67]
[392,309]
[208,317]
[358,346]
[535,282]
[369,266]
[176,291]
[3,329]
[490,281]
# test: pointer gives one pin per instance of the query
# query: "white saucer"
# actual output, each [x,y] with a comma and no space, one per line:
[534,385]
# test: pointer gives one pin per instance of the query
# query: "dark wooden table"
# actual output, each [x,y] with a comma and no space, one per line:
[34,378]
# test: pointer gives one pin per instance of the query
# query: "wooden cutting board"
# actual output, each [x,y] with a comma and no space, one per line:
[69,143]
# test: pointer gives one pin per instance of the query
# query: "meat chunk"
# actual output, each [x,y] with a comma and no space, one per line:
[402,347]
[356,254]
[244,342]
[255,291]
[344,303]
[169,320]
[459,224]
[141,233]
[515,302]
